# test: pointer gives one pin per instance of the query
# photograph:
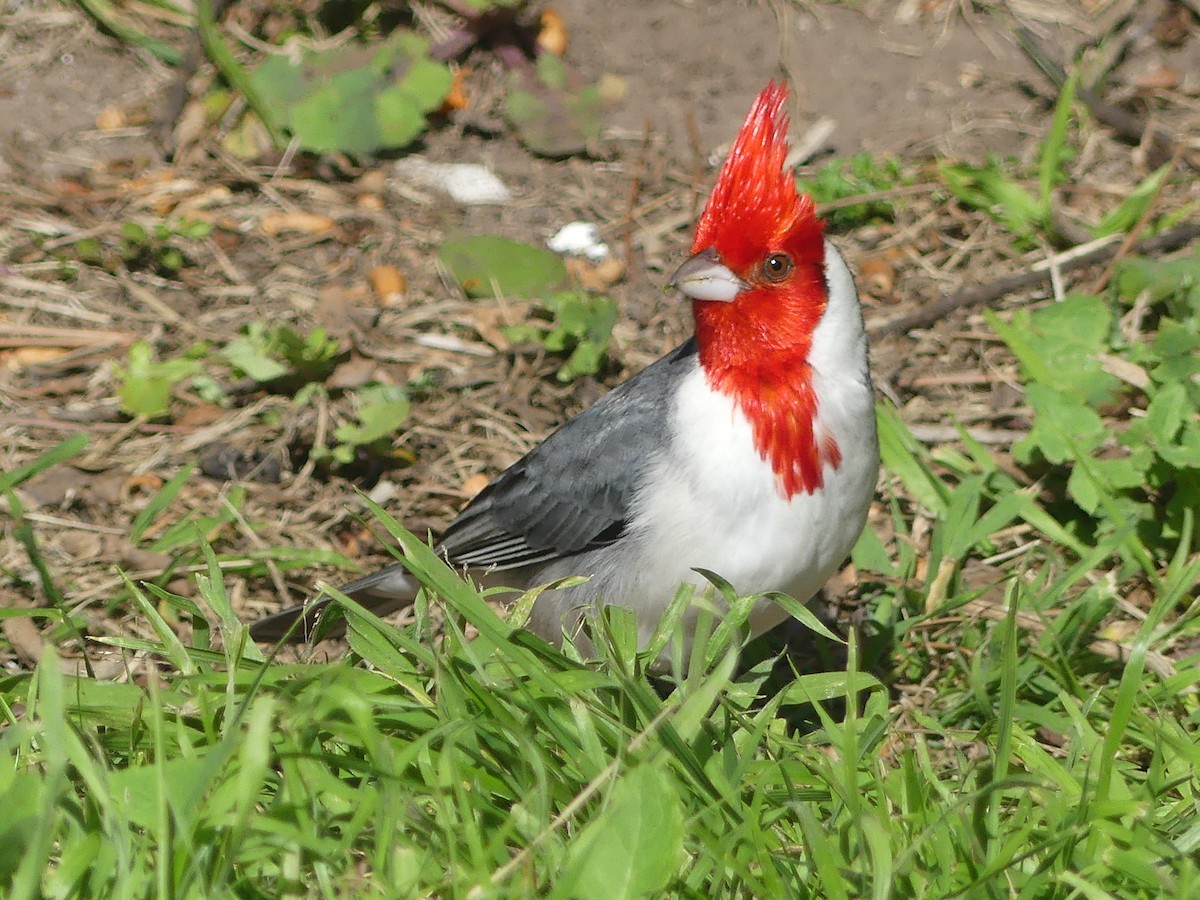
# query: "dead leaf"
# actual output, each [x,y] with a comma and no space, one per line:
[111,118]
[475,484]
[276,223]
[354,372]
[458,98]
[22,358]
[1160,78]
[342,311]
[108,486]
[878,278]
[597,277]
[1129,372]
[552,37]
[80,545]
[612,89]
[56,488]
[25,639]
[146,483]
[200,415]
[190,126]
[1173,25]
[137,559]
[388,283]
[372,182]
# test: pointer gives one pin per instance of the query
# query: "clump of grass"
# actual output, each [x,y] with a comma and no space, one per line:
[498,765]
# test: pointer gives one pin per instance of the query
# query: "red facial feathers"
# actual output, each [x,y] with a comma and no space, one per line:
[756,347]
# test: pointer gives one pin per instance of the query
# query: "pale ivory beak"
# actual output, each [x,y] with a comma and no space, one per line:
[705,277]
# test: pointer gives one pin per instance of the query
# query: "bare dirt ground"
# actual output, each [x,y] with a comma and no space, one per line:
[80,152]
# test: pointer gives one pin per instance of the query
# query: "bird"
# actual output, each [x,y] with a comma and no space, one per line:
[749,451]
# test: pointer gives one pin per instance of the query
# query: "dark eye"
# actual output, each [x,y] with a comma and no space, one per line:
[777,267]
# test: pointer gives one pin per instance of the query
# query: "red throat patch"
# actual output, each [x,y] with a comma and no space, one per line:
[755,348]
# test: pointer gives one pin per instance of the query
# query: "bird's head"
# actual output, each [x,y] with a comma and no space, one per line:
[756,275]
[757,282]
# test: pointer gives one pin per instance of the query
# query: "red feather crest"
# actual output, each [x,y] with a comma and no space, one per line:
[754,204]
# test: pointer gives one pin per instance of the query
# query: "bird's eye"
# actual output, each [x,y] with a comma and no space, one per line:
[777,267]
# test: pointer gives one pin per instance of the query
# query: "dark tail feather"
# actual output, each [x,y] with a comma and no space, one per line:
[381,592]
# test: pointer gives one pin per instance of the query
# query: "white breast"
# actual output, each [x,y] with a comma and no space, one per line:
[710,501]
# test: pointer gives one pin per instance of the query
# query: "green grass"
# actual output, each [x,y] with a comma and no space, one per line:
[500,766]
[1009,723]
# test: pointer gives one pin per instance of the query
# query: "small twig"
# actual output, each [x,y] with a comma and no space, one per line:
[905,190]
[945,434]
[1177,237]
[93,427]
[223,59]
[635,191]
[47,336]
[698,160]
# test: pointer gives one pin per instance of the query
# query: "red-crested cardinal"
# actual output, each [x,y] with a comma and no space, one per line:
[749,451]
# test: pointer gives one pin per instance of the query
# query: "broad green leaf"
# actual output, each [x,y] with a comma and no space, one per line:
[1167,412]
[251,353]
[870,555]
[1174,281]
[634,846]
[582,324]
[1061,425]
[381,410]
[1060,345]
[338,115]
[146,383]
[354,98]
[488,265]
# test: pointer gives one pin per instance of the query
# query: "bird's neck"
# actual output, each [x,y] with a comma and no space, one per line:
[756,351]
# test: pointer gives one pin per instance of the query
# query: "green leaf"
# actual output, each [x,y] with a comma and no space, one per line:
[488,265]
[146,383]
[1133,207]
[382,409]
[56,455]
[1060,345]
[1175,281]
[398,118]
[251,354]
[635,845]
[550,118]
[582,324]
[160,501]
[1055,151]
[903,455]
[1061,425]
[988,189]
[853,177]
[1166,413]
[426,83]
[354,98]
[338,115]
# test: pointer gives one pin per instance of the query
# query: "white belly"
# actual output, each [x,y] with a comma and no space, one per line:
[717,505]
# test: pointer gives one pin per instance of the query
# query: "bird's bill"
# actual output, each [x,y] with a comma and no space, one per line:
[705,277]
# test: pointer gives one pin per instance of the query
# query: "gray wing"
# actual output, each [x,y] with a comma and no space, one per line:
[566,496]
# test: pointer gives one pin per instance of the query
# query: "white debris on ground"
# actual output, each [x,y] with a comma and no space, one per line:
[579,239]
[468,183]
